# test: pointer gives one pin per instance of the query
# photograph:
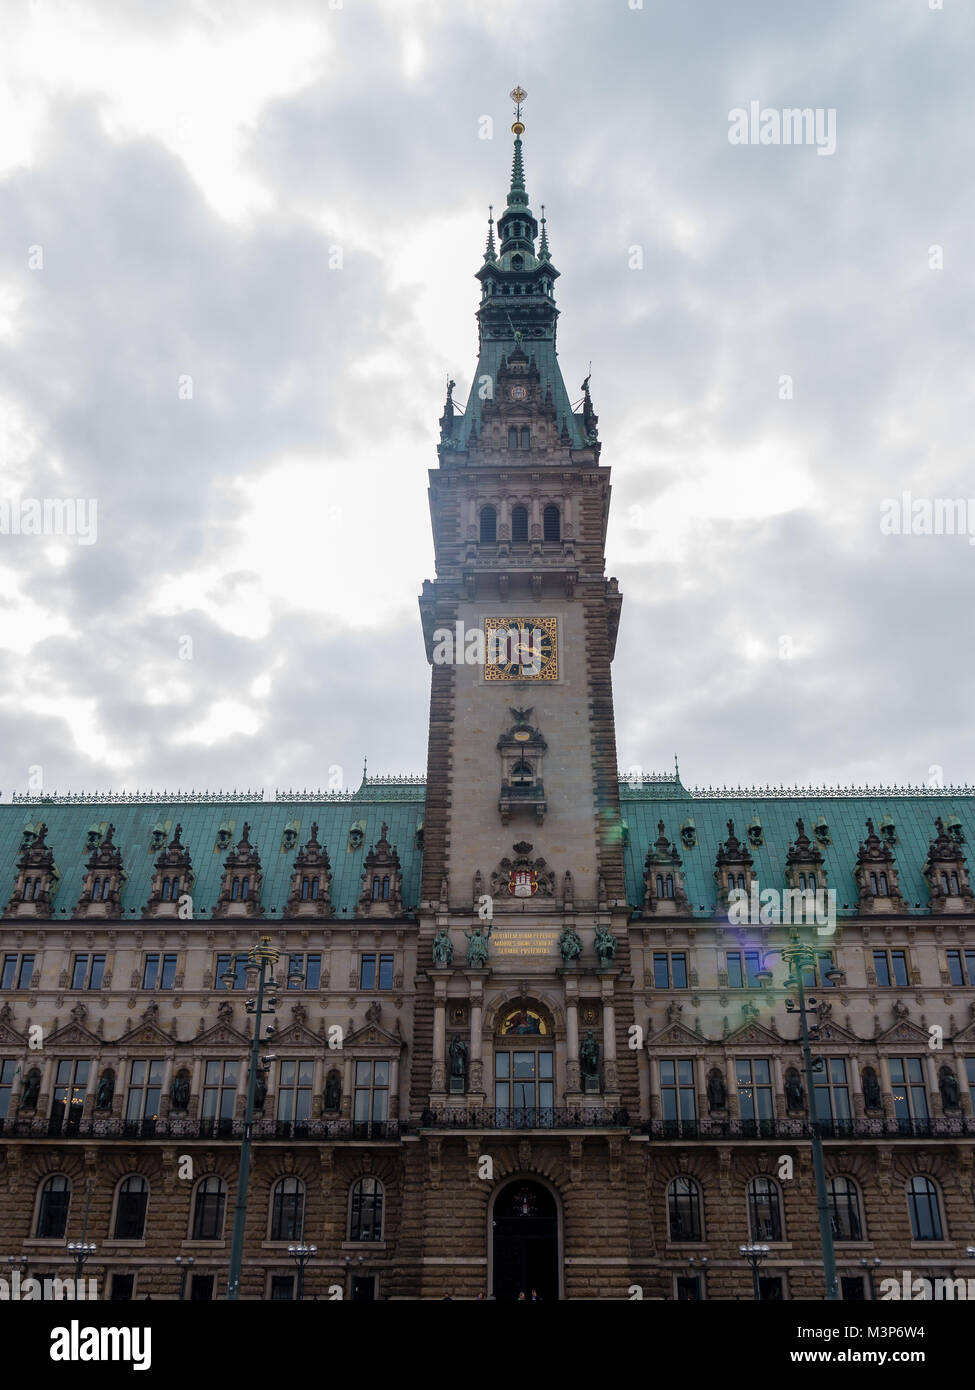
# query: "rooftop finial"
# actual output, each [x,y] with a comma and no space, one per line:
[543,252]
[490,253]
[518,95]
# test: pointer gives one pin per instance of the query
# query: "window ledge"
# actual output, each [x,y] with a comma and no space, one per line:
[933,1244]
[204,1245]
[40,1241]
[375,1245]
[123,1244]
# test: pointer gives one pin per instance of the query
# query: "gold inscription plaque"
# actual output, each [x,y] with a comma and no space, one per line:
[512,941]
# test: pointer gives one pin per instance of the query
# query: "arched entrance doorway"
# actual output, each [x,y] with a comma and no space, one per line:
[525,1235]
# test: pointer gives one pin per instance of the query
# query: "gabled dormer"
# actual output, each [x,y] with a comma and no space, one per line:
[382,881]
[804,867]
[522,750]
[240,895]
[36,879]
[876,876]
[173,878]
[663,879]
[947,875]
[311,882]
[101,895]
[733,867]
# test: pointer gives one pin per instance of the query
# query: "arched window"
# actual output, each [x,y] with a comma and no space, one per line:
[235,889]
[165,890]
[288,1209]
[670,886]
[375,888]
[366,1210]
[764,1210]
[944,881]
[512,438]
[551,524]
[519,523]
[873,884]
[385,887]
[52,1210]
[954,884]
[522,774]
[208,1209]
[684,1209]
[517,262]
[883,884]
[489,526]
[660,885]
[844,1209]
[96,890]
[731,882]
[304,888]
[245,888]
[130,1208]
[925,1210]
[314,887]
[741,882]
[526,437]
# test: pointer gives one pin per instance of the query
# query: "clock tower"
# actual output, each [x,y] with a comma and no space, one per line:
[522,831]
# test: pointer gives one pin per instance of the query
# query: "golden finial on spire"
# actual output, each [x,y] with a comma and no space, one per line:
[518,96]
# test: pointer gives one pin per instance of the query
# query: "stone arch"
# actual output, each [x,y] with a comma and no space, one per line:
[530,1177]
[542,1002]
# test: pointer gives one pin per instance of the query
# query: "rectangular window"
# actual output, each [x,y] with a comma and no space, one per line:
[304,972]
[220,1092]
[123,1287]
[159,972]
[282,1288]
[240,972]
[754,1079]
[678,1101]
[201,1288]
[891,968]
[688,1288]
[88,972]
[814,976]
[294,1092]
[961,967]
[145,1089]
[743,969]
[367,972]
[661,974]
[7,1071]
[852,1288]
[908,1089]
[25,972]
[371,1099]
[9,972]
[370,978]
[831,1092]
[168,980]
[669,970]
[70,1085]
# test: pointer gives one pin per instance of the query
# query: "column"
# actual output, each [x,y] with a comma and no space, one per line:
[347,1080]
[475,1079]
[165,1100]
[934,1091]
[886,1086]
[573,1081]
[778,1087]
[610,1082]
[317,1088]
[856,1089]
[394,1089]
[732,1086]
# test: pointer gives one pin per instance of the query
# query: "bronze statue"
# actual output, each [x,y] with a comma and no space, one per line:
[443,947]
[871,1090]
[948,1086]
[32,1090]
[260,1090]
[181,1091]
[458,1056]
[106,1091]
[477,951]
[333,1091]
[589,1055]
[570,945]
[795,1096]
[717,1095]
[605,944]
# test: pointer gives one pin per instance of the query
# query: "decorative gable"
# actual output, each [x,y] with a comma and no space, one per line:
[947,874]
[382,881]
[101,895]
[876,876]
[240,895]
[733,867]
[311,882]
[663,880]
[522,750]
[173,878]
[36,879]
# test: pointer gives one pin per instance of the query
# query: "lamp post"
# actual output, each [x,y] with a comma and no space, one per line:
[870,1266]
[754,1254]
[797,956]
[185,1263]
[80,1251]
[301,1254]
[261,959]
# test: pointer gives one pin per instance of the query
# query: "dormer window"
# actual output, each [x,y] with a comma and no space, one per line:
[382,881]
[311,881]
[517,262]
[665,885]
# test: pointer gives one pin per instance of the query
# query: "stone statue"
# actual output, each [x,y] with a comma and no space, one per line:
[605,944]
[374,1012]
[32,1090]
[106,1091]
[674,1011]
[871,1090]
[795,1096]
[333,1091]
[948,1086]
[181,1091]
[589,1055]
[443,947]
[570,945]
[477,951]
[458,1056]
[748,1012]
[717,1095]
[901,1010]
[225,1011]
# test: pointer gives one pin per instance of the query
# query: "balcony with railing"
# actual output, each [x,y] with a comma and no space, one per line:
[944,1127]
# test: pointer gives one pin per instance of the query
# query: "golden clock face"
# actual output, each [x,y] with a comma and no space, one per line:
[521,649]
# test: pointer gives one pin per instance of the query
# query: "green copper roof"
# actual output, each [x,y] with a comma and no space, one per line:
[912,816]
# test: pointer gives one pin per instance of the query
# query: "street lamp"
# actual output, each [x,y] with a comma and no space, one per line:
[870,1266]
[754,1254]
[301,1254]
[701,1264]
[261,959]
[80,1251]
[185,1263]
[797,957]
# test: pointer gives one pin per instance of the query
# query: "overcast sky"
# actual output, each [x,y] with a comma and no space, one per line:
[281,209]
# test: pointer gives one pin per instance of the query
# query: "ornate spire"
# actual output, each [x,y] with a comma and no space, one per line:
[490,253]
[544,254]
